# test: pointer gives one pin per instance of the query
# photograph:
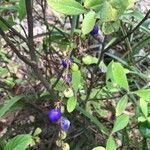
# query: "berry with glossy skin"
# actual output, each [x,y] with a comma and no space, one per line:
[54,114]
[65,123]
[95,30]
[64,63]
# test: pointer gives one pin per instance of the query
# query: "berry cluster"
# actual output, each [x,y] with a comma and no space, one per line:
[55,115]
[69,64]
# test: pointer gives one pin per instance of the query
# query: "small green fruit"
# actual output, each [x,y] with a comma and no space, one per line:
[62,135]
[59,143]
[37,131]
[87,60]
[65,146]
[68,93]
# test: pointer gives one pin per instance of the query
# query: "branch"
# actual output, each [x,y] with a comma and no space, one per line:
[37,71]
[12,29]
[32,64]
[16,51]
[128,34]
[30,29]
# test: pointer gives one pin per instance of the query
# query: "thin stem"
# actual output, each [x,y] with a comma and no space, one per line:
[128,34]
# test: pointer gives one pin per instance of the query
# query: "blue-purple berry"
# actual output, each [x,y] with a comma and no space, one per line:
[71,60]
[54,115]
[65,123]
[95,30]
[64,63]
[69,78]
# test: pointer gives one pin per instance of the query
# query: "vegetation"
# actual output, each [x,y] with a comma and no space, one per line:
[74,74]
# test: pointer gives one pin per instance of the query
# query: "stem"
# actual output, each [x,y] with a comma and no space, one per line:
[128,34]
[144,144]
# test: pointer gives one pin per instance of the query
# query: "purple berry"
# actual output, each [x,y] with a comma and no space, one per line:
[65,123]
[64,63]
[54,114]
[69,78]
[71,60]
[95,30]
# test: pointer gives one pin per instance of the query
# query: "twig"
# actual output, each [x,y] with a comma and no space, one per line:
[128,34]
[12,29]
[16,51]
[32,49]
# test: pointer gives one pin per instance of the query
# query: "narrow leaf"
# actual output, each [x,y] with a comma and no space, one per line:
[9,104]
[93,119]
[22,9]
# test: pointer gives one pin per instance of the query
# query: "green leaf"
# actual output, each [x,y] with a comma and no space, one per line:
[141,119]
[9,104]
[144,128]
[122,5]
[120,76]
[68,7]
[110,27]
[107,12]
[9,20]
[143,93]
[22,9]
[93,4]
[121,105]
[93,119]
[120,123]
[3,72]
[111,145]
[20,142]
[88,22]
[71,104]
[76,80]
[99,148]
[117,74]
[10,7]
[143,43]
[144,107]
[89,60]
